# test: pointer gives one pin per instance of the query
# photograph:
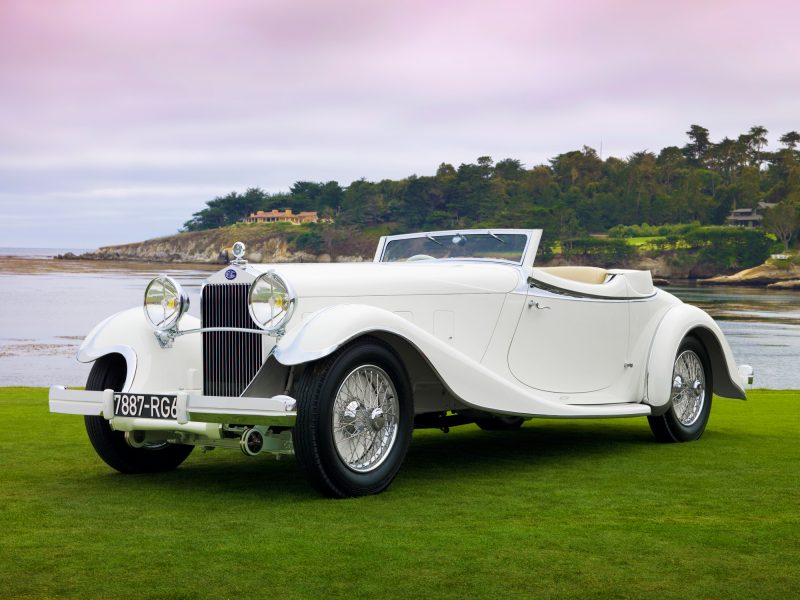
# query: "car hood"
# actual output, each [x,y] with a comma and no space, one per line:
[395,279]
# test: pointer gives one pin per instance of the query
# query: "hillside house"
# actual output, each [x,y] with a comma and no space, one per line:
[286,216]
[748,217]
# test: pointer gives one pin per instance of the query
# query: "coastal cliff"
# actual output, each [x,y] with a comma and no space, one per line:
[263,245]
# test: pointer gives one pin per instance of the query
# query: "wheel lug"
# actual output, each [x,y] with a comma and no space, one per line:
[377,419]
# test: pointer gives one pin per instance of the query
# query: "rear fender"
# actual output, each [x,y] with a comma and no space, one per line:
[680,321]
[150,367]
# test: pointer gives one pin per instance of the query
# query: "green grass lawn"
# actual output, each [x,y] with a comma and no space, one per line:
[559,508]
[641,241]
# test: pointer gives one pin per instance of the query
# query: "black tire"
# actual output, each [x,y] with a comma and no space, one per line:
[313,434]
[668,427]
[500,423]
[108,372]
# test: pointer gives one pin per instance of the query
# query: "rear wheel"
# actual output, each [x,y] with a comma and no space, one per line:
[690,396]
[108,372]
[354,420]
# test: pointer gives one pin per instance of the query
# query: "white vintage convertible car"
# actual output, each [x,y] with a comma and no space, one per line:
[337,363]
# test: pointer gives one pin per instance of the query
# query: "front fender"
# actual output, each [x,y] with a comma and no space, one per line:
[680,321]
[330,328]
[150,367]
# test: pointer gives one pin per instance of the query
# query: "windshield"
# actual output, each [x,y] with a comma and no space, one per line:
[427,246]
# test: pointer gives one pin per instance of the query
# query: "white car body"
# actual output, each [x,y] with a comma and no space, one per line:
[475,336]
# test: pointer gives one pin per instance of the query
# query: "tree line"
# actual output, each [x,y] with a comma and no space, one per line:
[575,194]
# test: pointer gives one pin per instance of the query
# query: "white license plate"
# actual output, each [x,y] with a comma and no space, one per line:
[147,406]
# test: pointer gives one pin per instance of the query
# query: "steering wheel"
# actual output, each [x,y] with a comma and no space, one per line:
[417,257]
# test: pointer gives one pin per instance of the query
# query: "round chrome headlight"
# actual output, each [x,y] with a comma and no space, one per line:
[271,301]
[165,303]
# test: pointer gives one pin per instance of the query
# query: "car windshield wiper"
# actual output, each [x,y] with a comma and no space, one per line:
[497,237]
[433,239]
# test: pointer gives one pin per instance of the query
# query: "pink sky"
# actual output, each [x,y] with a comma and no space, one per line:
[122,118]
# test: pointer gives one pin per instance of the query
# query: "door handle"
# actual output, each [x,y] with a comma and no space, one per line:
[532,303]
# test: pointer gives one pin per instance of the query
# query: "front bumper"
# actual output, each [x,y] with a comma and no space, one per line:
[194,410]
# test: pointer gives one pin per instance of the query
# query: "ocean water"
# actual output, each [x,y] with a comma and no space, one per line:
[761,325]
[48,306]
[38,252]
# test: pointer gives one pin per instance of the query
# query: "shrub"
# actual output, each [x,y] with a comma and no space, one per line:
[310,241]
[730,247]
[598,251]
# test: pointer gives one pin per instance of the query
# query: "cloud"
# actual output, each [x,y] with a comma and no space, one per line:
[182,100]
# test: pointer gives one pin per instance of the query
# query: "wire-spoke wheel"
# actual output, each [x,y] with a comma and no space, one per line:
[690,397]
[688,388]
[364,418]
[354,419]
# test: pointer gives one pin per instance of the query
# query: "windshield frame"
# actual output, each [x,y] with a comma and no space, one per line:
[533,236]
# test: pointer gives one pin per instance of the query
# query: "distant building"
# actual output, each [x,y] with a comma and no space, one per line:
[286,216]
[748,217]
[744,217]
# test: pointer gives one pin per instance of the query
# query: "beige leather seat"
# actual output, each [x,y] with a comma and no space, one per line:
[594,275]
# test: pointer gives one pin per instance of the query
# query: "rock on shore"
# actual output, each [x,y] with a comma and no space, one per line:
[771,274]
[792,284]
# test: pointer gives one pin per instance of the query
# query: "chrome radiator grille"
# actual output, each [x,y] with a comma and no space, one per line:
[230,359]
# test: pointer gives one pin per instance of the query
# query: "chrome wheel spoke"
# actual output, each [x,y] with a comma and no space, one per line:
[689,393]
[364,419]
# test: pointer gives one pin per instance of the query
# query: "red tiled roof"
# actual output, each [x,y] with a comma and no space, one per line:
[277,213]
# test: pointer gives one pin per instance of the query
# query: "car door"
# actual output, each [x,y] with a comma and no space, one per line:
[568,342]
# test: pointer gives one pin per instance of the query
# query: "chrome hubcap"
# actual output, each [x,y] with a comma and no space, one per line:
[688,387]
[364,419]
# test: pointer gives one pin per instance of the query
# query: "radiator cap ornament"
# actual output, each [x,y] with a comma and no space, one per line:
[237,250]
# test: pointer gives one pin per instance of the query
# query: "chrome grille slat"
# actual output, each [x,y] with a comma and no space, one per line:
[230,359]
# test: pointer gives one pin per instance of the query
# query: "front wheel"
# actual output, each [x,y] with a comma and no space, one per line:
[690,397]
[354,420]
[108,372]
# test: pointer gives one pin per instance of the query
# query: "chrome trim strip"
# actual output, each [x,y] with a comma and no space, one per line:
[237,329]
[560,292]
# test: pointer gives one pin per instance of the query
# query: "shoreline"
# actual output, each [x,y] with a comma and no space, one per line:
[24,265]
[92,257]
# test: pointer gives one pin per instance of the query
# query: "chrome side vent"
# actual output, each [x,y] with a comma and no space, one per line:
[230,358]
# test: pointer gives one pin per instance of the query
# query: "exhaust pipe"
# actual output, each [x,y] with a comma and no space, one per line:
[135,439]
[252,442]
